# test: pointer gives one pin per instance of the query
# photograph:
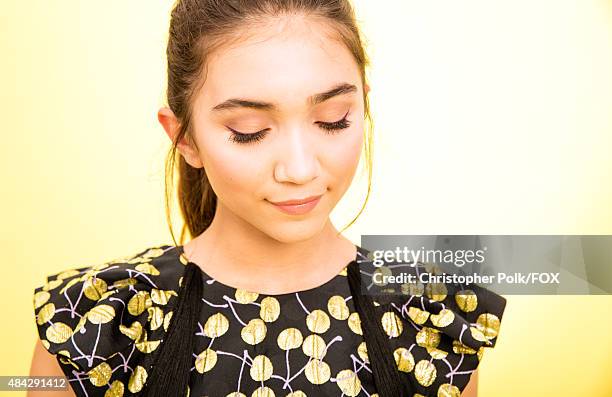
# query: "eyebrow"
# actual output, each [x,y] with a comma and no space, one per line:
[339,89]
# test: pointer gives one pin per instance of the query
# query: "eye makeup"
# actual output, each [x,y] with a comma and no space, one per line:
[330,128]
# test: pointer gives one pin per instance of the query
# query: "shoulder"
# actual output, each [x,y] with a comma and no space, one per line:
[105,321]
[438,331]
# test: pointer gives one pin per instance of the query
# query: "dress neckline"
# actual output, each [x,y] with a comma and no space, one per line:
[359,251]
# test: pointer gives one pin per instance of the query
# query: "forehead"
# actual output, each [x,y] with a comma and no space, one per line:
[283,62]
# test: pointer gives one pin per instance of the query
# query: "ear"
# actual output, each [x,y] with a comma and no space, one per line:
[366,88]
[171,125]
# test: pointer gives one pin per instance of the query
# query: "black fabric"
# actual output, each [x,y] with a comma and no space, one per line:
[105,323]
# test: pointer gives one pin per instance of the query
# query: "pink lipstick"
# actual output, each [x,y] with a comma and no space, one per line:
[298,206]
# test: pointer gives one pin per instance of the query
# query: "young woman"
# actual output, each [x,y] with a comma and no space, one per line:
[267,103]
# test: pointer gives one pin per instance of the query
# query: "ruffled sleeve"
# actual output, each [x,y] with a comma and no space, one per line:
[438,332]
[104,323]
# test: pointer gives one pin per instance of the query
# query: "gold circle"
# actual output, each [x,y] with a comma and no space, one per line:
[415,289]
[167,319]
[362,352]
[263,391]
[489,323]
[156,317]
[348,382]
[46,313]
[436,353]
[126,282]
[153,252]
[417,315]
[478,334]
[314,346]
[436,291]
[381,274]
[58,332]
[64,353]
[206,360]
[40,298]
[460,348]
[100,374]
[162,297]
[116,389]
[133,332]
[147,346]
[147,268]
[448,390]
[137,379]
[243,296]
[261,369]
[101,314]
[139,302]
[94,287]
[425,372]
[354,323]
[480,352]
[270,309]
[216,325]
[336,306]
[80,324]
[392,324]
[317,321]
[442,319]
[403,359]
[317,372]
[428,337]
[254,332]
[466,300]
[290,338]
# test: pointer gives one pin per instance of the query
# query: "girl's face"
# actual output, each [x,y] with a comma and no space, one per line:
[279,117]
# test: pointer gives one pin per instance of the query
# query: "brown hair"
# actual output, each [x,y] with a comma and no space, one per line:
[197,28]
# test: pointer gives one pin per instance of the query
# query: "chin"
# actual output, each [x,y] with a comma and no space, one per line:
[295,231]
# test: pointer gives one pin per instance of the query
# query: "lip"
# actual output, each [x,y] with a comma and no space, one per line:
[298,207]
[296,201]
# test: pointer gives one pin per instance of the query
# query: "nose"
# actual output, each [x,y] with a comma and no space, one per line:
[298,158]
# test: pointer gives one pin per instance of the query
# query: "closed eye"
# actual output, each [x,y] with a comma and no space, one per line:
[336,125]
[241,137]
[328,127]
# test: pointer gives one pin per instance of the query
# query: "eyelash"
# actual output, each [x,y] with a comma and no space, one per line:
[329,128]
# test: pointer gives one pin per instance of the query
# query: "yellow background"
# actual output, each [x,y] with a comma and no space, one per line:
[492,117]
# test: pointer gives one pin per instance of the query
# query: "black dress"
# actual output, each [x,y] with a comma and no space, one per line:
[105,324]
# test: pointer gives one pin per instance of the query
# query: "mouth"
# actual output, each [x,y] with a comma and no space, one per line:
[296,201]
[297,206]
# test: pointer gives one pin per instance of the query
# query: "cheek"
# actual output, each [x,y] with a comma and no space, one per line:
[231,174]
[345,152]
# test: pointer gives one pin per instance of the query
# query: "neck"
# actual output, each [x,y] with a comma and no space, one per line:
[237,254]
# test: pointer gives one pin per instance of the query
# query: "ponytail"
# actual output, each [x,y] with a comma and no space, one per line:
[172,368]
[388,381]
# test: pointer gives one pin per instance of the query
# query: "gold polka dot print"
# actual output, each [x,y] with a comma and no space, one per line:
[106,323]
